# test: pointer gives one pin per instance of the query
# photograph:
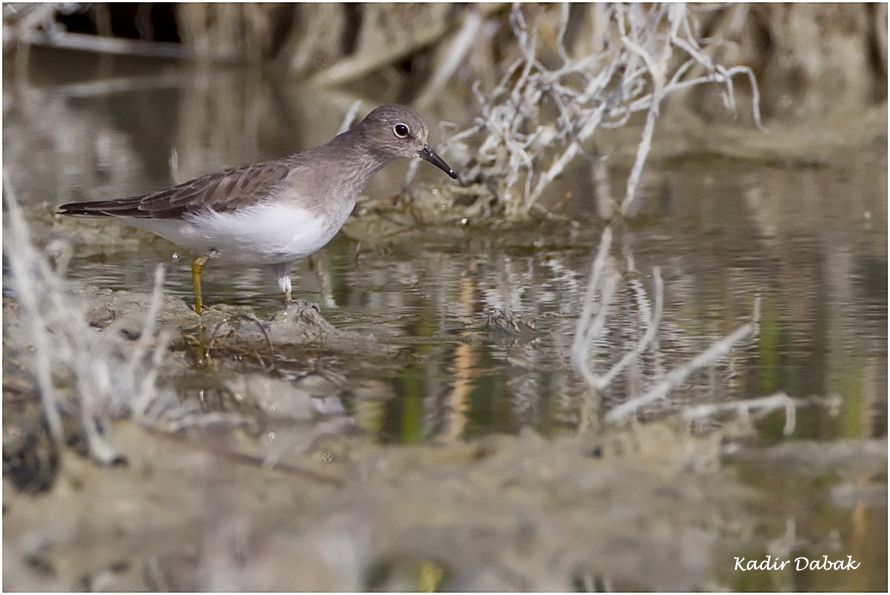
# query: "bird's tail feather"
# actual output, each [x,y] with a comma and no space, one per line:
[118,207]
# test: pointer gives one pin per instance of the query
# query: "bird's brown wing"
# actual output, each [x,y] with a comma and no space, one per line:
[226,190]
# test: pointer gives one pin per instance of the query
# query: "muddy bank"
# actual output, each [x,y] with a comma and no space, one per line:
[225,362]
[299,323]
[507,513]
[649,507]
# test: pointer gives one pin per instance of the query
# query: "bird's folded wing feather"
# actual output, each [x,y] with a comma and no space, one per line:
[227,190]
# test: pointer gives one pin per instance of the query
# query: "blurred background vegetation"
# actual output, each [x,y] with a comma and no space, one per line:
[809,58]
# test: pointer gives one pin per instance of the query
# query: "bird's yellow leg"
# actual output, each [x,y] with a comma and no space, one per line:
[197,268]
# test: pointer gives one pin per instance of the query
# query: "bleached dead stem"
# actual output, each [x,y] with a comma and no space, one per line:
[581,343]
[154,308]
[458,48]
[109,45]
[25,281]
[146,386]
[58,338]
[97,376]
[677,376]
[523,144]
[560,163]
[607,378]
[657,73]
[349,118]
[592,320]
[360,64]
[761,405]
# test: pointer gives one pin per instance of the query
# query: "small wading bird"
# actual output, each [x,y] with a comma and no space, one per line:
[273,212]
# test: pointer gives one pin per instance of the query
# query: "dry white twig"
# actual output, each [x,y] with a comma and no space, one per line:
[606,379]
[678,375]
[581,343]
[460,45]
[526,148]
[97,376]
[349,118]
[27,275]
[760,405]
[591,326]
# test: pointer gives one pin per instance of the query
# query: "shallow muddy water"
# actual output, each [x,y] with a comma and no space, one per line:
[810,241]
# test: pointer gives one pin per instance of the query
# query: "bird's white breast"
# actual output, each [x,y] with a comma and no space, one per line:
[269,233]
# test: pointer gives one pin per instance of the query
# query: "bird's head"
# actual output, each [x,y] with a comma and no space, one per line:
[398,131]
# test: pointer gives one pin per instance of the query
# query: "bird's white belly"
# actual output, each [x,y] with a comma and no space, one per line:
[262,234]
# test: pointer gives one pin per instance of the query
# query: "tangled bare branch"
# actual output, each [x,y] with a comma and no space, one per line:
[536,120]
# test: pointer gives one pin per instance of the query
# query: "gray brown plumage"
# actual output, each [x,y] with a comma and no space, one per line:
[226,190]
[350,158]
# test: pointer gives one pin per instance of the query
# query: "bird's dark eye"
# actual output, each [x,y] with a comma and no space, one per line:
[401,130]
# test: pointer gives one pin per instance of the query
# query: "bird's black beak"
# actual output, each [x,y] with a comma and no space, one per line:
[428,154]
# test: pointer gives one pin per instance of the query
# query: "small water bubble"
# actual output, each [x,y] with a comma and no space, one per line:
[174,257]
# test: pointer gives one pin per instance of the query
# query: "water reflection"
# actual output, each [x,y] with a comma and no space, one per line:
[810,241]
